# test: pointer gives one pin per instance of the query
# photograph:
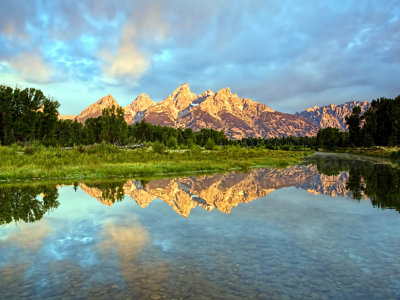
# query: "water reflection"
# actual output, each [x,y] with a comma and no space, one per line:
[295,243]
[26,203]
[323,174]
[380,182]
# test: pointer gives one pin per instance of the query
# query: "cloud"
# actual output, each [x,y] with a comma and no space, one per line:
[284,54]
[128,63]
[31,67]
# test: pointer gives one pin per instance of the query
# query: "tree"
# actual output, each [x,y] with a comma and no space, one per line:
[172,143]
[209,145]
[113,126]
[328,138]
[354,122]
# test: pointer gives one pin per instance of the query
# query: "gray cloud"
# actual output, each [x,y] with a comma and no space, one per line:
[282,53]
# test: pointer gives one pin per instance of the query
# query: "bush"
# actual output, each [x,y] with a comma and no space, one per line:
[33,147]
[172,143]
[102,148]
[80,148]
[209,145]
[190,144]
[158,147]
[395,155]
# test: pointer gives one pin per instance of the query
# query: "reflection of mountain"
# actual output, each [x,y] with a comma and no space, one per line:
[334,185]
[220,191]
[334,176]
[350,176]
[324,175]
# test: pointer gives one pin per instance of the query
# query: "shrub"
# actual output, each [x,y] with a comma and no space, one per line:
[172,143]
[395,155]
[190,144]
[158,147]
[80,148]
[209,145]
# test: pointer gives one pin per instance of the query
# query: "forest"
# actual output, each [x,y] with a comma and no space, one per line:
[378,126]
[27,116]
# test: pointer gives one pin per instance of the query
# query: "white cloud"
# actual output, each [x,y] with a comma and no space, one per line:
[129,61]
[31,67]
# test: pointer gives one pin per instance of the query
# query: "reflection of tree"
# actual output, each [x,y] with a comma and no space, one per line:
[109,191]
[22,203]
[380,182]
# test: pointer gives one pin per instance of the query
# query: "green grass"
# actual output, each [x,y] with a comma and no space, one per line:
[377,151]
[107,161]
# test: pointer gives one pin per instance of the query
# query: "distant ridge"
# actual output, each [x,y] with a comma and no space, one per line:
[222,110]
[332,115]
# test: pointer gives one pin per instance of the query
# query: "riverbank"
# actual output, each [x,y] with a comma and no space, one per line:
[378,151]
[107,161]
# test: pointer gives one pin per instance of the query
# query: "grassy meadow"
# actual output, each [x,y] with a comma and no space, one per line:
[107,161]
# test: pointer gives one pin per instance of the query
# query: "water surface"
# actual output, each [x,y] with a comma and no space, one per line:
[329,228]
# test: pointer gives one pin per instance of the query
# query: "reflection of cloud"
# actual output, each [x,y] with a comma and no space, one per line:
[128,241]
[144,277]
[12,279]
[30,236]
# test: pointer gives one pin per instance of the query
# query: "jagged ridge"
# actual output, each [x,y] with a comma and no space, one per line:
[332,115]
[237,117]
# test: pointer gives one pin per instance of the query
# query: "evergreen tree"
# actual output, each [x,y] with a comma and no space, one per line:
[354,122]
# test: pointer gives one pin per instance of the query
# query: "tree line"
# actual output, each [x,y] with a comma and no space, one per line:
[378,126]
[26,115]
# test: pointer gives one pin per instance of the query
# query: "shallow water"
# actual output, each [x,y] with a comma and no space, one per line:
[326,229]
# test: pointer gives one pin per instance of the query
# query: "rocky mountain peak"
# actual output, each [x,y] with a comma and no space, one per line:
[142,102]
[206,94]
[95,110]
[224,93]
[135,111]
[182,97]
[107,102]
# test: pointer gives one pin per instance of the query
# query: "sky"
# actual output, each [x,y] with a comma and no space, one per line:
[287,54]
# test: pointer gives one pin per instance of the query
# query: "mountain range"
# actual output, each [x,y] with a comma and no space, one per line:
[223,110]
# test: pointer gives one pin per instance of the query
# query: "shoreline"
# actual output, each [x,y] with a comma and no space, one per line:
[55,164]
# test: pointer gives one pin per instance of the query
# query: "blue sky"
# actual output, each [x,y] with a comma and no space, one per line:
[286,54]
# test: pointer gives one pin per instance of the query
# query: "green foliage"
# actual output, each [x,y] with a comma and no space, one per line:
[190,144]
[209,145]
[172,143]
[26,115]
[113,126]
[22,204]
[107,160]
[354,124]
[158,147]
[380,182]
[331,138]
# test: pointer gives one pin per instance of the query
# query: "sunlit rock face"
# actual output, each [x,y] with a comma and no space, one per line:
[103,196]
[95,110]
[135,111]
[223,110]
[67,117]
[332,115]
[334,185]
[219,191]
